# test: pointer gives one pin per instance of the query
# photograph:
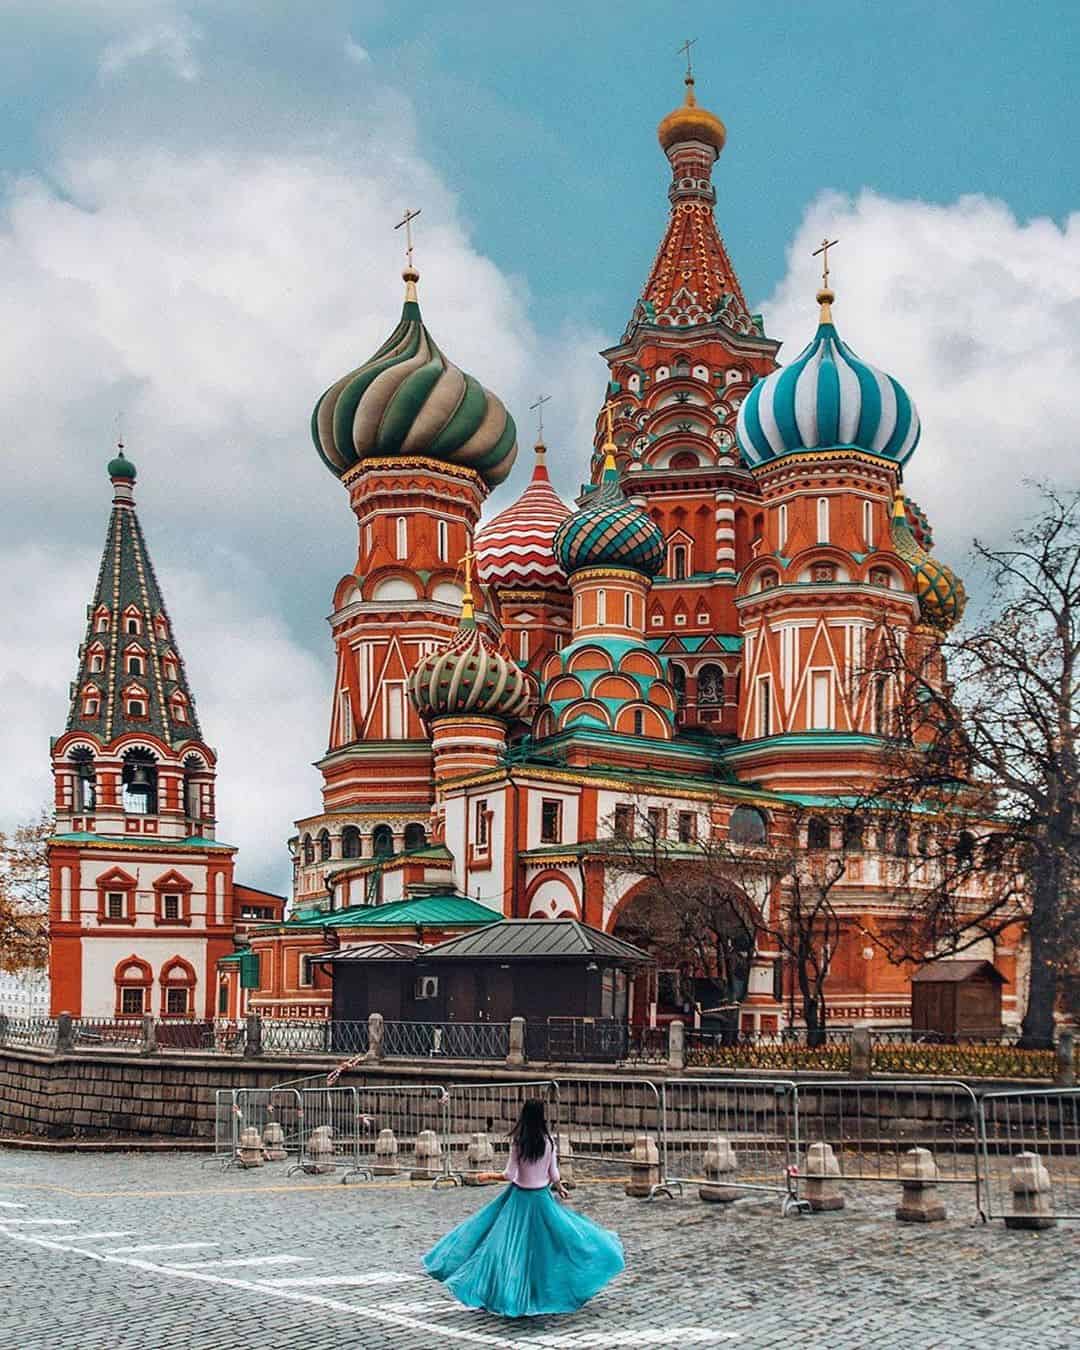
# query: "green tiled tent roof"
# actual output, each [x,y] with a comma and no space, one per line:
[429,911]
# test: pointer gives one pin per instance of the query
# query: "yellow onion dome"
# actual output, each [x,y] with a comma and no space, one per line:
[938,589]
[690,122]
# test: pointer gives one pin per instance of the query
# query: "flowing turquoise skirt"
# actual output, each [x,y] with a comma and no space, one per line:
[525,1254]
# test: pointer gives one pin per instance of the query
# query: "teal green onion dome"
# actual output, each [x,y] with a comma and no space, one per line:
[609,532]
[938,589]
[827,399]
[469,676]
[409,400]
[121,466]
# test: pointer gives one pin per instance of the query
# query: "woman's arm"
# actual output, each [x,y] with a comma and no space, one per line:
[511,1173]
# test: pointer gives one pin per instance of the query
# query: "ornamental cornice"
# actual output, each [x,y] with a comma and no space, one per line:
[611,574]
[395,463]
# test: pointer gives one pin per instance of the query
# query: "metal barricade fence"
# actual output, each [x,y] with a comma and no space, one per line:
[334,1133]
[490,1109]
[598,1119]
[403,1132]
[737,1133]
[871,1125]
[1013,1126]
[274,1113]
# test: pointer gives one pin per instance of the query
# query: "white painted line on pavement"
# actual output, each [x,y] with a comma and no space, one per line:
[90,1237]
[159,1247]
[426,1305]
[10,1204]
[372,1278]
[72,1223]
[240,1261]
[638,1336]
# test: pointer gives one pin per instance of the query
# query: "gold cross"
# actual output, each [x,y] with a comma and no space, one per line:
[467,560]
[538,408]
[686,48]
[407,220]
[826,244]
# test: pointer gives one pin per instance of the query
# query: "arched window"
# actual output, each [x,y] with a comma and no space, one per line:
[309,849]
[401,537]
[679,564]
[139,779]
[747,826]
[177,989]
[965,849]
[442,536]
[817,833]
[881,692]
[823,520]
[770,580]
[350,842]
[677,680]
[902,841]
[868,525]
[193,766]
[85,795]
[853,834]
[685,459]
[639,722]
[132,979]
[415,837]
[324,846]
[628,610]
[178,707]
[710,686]
[781,528]
[382,841]
[601,607]
[101,624]
[134,665]
[523,645]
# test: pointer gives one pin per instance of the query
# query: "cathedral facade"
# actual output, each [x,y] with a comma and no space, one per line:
[682,653]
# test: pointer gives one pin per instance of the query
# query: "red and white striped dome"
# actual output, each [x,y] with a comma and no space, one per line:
[514,551]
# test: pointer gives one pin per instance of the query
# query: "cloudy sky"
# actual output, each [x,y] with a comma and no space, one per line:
[196,211]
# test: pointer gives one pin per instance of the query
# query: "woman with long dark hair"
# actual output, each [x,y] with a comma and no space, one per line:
[524,1253]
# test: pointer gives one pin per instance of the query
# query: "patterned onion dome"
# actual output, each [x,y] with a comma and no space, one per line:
[826,399]
[610,531]
[408,399]
[690,122]
[469,675]
[515,550]
[919,524]
[939,590]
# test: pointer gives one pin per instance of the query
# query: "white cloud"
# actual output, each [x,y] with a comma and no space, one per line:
[209,299]
[170,39]
[359,56]
[978,315]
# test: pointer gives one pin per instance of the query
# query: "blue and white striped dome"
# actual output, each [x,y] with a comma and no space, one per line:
[827,399]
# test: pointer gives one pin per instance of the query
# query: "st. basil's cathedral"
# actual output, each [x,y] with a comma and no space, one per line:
[682,654]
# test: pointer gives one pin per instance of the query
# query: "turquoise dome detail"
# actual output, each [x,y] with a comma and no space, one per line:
[827,399]
[609,532]
[121,467]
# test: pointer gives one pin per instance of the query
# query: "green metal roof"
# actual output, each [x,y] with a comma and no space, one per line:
[143,841]
[426,911]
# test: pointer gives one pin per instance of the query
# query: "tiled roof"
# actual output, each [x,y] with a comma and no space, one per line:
[536,940]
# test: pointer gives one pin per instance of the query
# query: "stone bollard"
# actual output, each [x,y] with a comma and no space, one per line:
[862,1052]
[515,1056]
[644,1167]
[676,1046]
[428,1157]
[1066,1063]
[149,1037]
[919,1201]
[250,1152]
[566,1162]
[479,1157]
[386,1154]
[320,1151]
[253,1036]
[1033,1196]
[375,1029]
[720,1167]
[65,1034]
[822,1191]
[273,1142]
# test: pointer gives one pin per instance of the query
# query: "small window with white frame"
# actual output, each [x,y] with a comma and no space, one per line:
[305,972]
[481,823]
[442,533]
[401,537]
[764,706]
[823,520]
[550,821]
[868,524]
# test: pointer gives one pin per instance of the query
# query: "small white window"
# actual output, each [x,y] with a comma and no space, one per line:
[868,524]
[97,663]
[680,620]
[781,528]
[764,706]
[820,700]
[601,607]
[136,708]
[345,720]
[628,610]
[480,824]
[395,710]
[367,538]
[442,532]
[402,537]
[523,645]
[179,712]
[823,520]
[657,620]
[103,623]
[560,642]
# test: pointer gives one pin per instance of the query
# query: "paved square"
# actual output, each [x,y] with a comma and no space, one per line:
[109,1252]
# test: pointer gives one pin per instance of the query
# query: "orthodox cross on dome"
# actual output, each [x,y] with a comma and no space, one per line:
[410,275]
[825,296]
[466,561]
[685,50]
[538,408]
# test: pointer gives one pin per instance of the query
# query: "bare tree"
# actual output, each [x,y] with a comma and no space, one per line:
[24,895]
[983,775]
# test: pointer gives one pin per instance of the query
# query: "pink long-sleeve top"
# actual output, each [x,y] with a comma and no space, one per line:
[533,1176]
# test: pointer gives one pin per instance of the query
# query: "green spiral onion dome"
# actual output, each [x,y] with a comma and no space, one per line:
[939,591]
[609,532]
[470,675]
[407,400]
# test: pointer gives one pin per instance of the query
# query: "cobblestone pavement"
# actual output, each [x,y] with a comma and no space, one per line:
[165,1252]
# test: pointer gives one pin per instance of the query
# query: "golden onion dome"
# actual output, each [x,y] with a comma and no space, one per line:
[691,123]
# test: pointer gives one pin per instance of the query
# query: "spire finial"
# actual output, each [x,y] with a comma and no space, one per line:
[825,296]
[609,447]
[410,275]
[538,408]
[468,610]
[685,50]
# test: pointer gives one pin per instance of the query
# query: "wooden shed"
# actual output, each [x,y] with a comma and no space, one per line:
[957,999]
